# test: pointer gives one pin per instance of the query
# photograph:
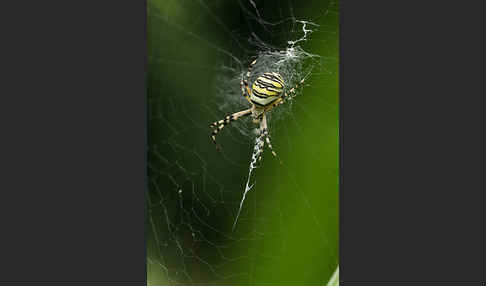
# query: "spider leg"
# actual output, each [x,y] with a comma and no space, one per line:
[280,100]
[264,133]
[264,130]
[245,88]
[292,91]
[218,125]
[261,141]
[285,96]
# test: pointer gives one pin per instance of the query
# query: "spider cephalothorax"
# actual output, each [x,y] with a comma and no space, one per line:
[267,91]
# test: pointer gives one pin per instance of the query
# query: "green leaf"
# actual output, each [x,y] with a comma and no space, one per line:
[334,281]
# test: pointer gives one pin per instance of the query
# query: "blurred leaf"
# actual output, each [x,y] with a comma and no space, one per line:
[334,281]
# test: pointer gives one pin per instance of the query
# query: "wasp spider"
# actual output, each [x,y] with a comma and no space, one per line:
[266,92]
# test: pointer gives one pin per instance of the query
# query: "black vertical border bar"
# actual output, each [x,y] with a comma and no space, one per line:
[73,146]
[411,143]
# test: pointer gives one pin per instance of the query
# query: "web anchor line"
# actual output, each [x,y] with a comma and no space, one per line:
[257,149]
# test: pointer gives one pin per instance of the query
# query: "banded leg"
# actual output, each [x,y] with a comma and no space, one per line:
[292,91]
[245,88]
[218,125]
[264,133]
[285,97]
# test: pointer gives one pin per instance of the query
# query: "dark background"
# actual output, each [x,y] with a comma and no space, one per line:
[74,136]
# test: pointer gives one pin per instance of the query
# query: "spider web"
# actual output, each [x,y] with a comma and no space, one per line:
[198,51]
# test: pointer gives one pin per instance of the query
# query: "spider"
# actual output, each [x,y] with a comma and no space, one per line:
[267,92]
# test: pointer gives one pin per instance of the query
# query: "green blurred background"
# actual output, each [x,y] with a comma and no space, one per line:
[288,229]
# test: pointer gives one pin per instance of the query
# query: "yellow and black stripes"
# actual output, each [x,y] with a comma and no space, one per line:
[266,89]
[266,93]
[272,78]
[218,125]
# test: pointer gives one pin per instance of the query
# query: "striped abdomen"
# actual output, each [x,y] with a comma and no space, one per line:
[267,88]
